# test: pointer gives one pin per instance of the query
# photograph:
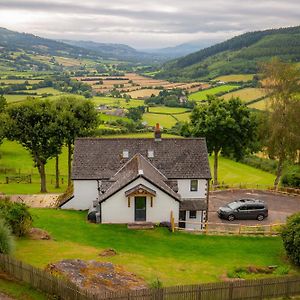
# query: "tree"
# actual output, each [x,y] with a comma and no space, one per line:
[282,139]
[228,127]
[76,117]
[291,238]
[33,125]
[3,105]
[135,113]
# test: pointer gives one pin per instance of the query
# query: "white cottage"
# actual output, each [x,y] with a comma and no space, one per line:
[125,180]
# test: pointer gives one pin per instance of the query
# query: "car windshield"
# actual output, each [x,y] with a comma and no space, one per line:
[233,205]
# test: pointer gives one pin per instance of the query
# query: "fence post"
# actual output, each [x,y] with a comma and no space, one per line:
[287,289]
[230,295]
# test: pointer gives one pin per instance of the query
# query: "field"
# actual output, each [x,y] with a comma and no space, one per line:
[202,95]
[260,105]
[167,110]
[183,117]
[166,121]
[246,94]
[137,86]
[177,258]
[235,78]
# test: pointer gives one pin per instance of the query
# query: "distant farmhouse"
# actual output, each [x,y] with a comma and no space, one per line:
[141,180]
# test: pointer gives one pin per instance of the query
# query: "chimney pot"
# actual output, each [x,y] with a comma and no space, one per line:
[157,133]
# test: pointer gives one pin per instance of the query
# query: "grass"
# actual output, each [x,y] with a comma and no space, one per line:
[118,102]
[19,290]
[231,172]
[178,258]
[202,95]
[16,98]
[166,121]
[261,105]
[14,156]
[235,78]
[167,110]
[246,94]
[109,118]
[183,117]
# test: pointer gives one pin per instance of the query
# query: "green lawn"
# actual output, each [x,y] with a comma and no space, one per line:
[201,95]
[19,290]
[14,156]
[231,172]
[183,117]
[178,258]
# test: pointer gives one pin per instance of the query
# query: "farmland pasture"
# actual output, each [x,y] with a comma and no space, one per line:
[16,98]
[260,105]
[235,78]
[117,102]
[202,95]
[144,93]
[183,117]
[167,110]
[246,94]
[166,121]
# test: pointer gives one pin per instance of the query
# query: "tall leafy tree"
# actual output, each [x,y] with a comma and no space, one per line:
[282,139]
[34,126]
[76,118]
[228,127]
[3,105]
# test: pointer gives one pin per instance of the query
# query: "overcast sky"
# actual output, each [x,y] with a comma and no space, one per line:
[146,24]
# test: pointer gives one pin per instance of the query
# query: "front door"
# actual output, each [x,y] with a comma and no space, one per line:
[140,209]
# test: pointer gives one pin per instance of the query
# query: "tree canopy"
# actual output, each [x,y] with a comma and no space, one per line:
[282,132]
[228,127]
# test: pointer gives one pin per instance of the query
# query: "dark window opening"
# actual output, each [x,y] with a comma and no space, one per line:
[193,214]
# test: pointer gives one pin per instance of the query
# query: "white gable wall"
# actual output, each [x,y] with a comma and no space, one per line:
[116,210]
[85,192]
[184,189]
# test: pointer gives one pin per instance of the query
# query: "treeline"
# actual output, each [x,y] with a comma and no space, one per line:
[171,98]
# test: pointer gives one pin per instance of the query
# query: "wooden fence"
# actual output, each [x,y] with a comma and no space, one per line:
[236,290]
[226,228]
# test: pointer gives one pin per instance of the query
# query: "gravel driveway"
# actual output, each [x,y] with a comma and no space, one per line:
[280,205]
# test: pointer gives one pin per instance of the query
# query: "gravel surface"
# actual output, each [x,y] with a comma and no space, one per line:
[280,205]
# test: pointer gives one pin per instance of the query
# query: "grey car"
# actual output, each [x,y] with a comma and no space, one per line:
[251,209]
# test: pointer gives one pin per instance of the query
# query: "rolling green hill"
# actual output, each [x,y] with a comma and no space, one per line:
[238,55]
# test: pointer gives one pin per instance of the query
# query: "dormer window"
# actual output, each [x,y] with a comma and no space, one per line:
[150,153]
[194,185]
[125,153]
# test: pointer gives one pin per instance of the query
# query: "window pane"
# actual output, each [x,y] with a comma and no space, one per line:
[194,185]
[193,214]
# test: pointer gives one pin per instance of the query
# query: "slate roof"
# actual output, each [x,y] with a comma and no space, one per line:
[136,167]
[193,204]
[97,158]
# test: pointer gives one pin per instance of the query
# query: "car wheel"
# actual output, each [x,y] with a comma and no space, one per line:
[260,217]
[230,217]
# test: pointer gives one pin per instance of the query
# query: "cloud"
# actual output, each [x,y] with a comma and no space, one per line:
[142,23]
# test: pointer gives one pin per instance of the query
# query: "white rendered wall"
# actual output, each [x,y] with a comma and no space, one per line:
[184,189]
[116,210]
[198,219]
[85,192]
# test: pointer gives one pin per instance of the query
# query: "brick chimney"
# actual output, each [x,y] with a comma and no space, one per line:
[157,133]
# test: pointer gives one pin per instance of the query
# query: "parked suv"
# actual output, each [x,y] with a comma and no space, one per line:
[244,209]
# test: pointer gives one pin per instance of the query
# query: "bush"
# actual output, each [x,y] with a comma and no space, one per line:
[16,216]
[291,178]
[291,238]
[6,239]
[265,164]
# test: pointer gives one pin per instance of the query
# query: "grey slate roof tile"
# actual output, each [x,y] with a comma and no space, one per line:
[97,158]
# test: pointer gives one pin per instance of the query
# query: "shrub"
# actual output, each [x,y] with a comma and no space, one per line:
[267,165]
[6,239]
[16,216]
[291,178]
[291,238]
